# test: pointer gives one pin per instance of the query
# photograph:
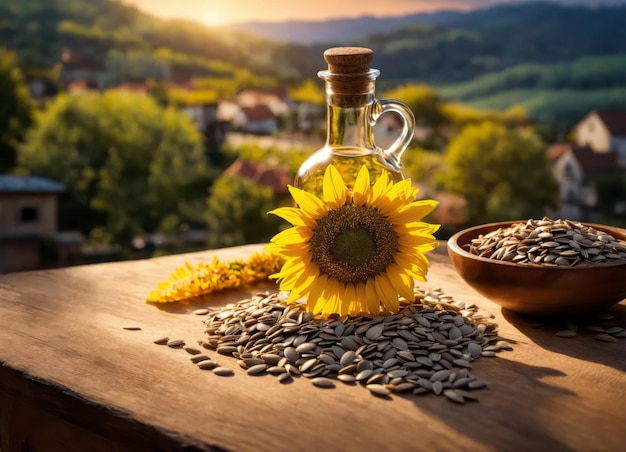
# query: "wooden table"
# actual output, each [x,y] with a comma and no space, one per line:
[73,379]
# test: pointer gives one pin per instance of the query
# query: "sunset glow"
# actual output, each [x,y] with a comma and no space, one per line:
[212,18]
[218,12]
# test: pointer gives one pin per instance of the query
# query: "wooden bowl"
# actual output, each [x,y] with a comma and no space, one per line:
[540,290]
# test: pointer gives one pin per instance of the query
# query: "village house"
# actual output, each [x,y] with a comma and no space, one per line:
[91,73]
[590,171]
[605,132]
[274,177]
[28,224]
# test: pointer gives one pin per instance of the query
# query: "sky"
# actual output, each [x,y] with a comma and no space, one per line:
[220,12]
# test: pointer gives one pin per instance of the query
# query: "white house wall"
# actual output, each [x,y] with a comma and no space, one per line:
[591,131]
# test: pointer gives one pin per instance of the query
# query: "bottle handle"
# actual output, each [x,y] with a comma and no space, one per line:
[395,151]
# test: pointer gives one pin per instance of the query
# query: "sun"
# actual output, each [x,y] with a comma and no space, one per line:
[212,18]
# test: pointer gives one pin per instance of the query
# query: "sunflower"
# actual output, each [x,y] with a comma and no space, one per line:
[354,251]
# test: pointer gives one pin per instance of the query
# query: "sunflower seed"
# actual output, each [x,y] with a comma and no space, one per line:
[222,371]
[374,332]
[192,350]
[283,378]
[197,358]
[201,311]
[378,390]
[566,333]
[453,395]
[322,382]
[604,337]
[346,378]
[175,343]
[412,351]
[161,340]
[257,370]
[207,364]
[569,243]
[347,358]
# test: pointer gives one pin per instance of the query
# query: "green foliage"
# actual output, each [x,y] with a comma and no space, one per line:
[308,91]
[134,67]
[588,73]
[290,159]
[422,100]
[561,108]
[461,115]
[503,173]
[15,109]
[611,191]
[129,165]
[238,212]
[192,65]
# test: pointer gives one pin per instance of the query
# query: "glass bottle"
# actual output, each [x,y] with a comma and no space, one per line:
[352,111]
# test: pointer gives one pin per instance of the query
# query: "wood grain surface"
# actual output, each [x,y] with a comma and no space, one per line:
[73,379]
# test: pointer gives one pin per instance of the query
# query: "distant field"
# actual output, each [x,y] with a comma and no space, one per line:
[558,93]
[561,108]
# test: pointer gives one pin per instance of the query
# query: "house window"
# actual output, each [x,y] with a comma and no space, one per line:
[28,214]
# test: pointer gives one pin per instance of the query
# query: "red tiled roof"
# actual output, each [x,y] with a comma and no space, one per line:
[267,176]
[133,87]
[557,150]
[595,162]
[259,112]
[614,120]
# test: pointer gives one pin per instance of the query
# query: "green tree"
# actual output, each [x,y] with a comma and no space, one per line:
[129,165]
[308,91]
[238,211]
[503,173]
[16,109]
[424,103]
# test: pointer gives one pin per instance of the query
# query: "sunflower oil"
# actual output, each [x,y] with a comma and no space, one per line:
[352,111]
[348,162]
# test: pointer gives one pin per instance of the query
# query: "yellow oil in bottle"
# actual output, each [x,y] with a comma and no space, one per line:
[311,175]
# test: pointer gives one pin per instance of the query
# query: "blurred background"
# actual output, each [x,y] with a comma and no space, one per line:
[136,128]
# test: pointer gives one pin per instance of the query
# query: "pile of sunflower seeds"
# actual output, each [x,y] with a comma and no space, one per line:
[427,347]
[549,242]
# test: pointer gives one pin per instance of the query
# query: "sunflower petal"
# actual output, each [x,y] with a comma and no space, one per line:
[380,187]
[360,298]
[371,297]
[402,282]
[386,292]
[315,295]
[311,204]
[292,236]
[414,211]
[303,285]
[349,304]
[293,215]
[334,188]
[361,187]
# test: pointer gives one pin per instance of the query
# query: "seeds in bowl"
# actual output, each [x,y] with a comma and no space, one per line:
[550,243]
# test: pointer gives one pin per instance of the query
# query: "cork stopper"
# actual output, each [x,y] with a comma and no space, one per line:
[348,60]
